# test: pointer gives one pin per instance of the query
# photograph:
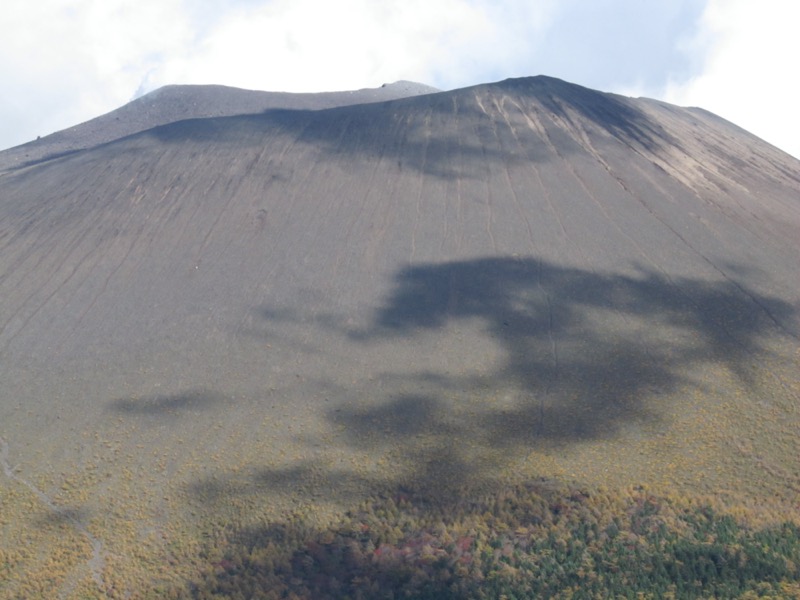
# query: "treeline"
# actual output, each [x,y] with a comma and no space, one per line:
[540,540]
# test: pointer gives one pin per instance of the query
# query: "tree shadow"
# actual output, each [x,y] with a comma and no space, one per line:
[585,356]
[584,352]
[167,406]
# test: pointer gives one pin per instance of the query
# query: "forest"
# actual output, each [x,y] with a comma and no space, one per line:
[540,540]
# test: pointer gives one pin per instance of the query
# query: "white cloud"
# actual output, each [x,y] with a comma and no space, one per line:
[617,45]
[308,45]
[747,76]
[65,62]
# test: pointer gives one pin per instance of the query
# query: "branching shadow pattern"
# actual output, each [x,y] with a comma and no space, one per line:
[585,355]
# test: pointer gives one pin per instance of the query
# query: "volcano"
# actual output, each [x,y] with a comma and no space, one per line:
[225,307]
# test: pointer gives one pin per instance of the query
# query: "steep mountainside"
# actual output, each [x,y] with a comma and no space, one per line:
[176,102]
[230,319]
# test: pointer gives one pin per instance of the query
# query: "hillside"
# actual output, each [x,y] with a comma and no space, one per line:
[177,102]
[218,326]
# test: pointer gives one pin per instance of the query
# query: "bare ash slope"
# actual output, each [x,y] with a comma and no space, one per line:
[234,317]
[177,102]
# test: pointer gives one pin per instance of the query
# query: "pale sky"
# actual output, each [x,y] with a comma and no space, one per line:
[63,62]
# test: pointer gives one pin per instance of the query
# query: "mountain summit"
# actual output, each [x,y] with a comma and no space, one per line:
[179,102]
[229,306]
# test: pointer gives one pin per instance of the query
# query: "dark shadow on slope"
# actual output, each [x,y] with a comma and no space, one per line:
[172,405]
[458,134]
[617,115]
[181,102]
[303,481]
[29,162]
[586,355]
[65,515]
[370,133]
[725,313]
[551,319]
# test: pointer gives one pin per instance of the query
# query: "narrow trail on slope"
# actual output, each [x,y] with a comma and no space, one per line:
[97,562]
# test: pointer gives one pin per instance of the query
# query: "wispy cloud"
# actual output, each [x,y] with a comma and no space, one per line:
[307,45]
[62,63]
[747,53]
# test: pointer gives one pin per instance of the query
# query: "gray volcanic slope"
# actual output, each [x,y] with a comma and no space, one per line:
[176,102]
[517,279]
